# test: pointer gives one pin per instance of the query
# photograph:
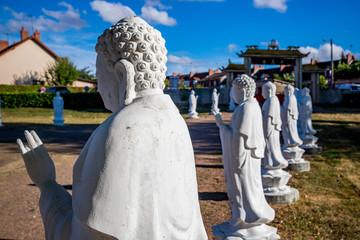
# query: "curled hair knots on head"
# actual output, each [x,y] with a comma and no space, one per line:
[139,43]
[247,83]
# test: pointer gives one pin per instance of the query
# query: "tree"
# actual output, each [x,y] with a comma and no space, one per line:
[86,74]
[286,77]
[346,71]
[62,73]
[322,81]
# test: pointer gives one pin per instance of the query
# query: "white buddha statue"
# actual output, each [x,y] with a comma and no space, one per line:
[289,117]
[135,177]
[215,102]
[232,105]
[307,131]
[274,178]
[58,105]
[192,105]
[243,147]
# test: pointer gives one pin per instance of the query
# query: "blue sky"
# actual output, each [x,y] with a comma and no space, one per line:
[199,34]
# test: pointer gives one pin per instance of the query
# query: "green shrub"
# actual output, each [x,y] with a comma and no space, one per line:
[44,100]
[33,88]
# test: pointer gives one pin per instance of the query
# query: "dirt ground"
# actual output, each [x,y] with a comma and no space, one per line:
[20,216]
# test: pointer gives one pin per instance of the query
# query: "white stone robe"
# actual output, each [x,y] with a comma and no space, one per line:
[243,147]
[305,112]
[134,179]
[273,158]
[289,117]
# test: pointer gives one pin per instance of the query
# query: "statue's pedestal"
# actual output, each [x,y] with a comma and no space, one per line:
[59,122]
[193,115]
[214,111]
[275,189]
[296,163]
[309,144]
[258,232]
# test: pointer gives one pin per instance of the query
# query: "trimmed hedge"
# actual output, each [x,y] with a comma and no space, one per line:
[44,100]
[34,88]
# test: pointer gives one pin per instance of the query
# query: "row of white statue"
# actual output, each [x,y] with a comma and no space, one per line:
[135,177]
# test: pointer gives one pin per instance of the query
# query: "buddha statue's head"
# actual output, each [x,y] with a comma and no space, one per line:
[305,92]
[131,62]
[243,88]
[268,90]
[289,90]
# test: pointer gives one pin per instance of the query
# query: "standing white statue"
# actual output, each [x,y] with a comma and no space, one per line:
[289,117]
[192,105]
[297,93]
[232,105]
[307,131]
[215,102]
[243,147]
[274,179]
[124,185]
[58,105]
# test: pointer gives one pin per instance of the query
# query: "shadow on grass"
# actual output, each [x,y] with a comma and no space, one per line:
[335,122]
[67,187]
[213,196]
[209,166]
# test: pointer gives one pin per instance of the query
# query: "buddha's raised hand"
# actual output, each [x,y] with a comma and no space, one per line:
[39,165]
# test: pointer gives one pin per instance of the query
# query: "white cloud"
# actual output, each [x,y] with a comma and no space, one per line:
[63,20]
[155,16]
[157,3]
[180,60]
[232,47]
[111,12]
[278,5]
[201,0]
[323,52]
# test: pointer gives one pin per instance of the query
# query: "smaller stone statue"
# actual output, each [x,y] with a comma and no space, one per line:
[0,115]
[192,105]
[215,102]
[297,94]
[273,177]
[58,104]
[289,117]
[232,105]
[243,147]
[307,131]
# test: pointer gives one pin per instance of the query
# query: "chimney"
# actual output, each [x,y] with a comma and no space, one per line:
[256,67]
[3,44]
[180,74]
[348,58]
[282,67]
[37,35]
[313,61]
[174,74]
[216,71]
[191,74]
[211,72]
[355,58]
[24,34]
[262,67]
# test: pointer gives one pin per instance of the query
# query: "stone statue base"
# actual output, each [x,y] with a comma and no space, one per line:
[58,122]
[289,196]
[258,232]
[214,111]
[275,189]
[296,163]
[303,166]
[193,115]
[309,144]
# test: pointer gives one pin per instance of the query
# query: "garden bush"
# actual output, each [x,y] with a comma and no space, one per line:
[34,88]
[44,100]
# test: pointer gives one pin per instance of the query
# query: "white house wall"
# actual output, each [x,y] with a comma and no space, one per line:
[23,63]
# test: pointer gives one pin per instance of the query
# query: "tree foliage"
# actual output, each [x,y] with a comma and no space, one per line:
[286,77]
[86,74]
[346,71]
[322,81]
[62,73]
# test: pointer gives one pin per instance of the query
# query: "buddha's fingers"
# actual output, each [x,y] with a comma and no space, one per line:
[31,142]
[36,137]
[21,146]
